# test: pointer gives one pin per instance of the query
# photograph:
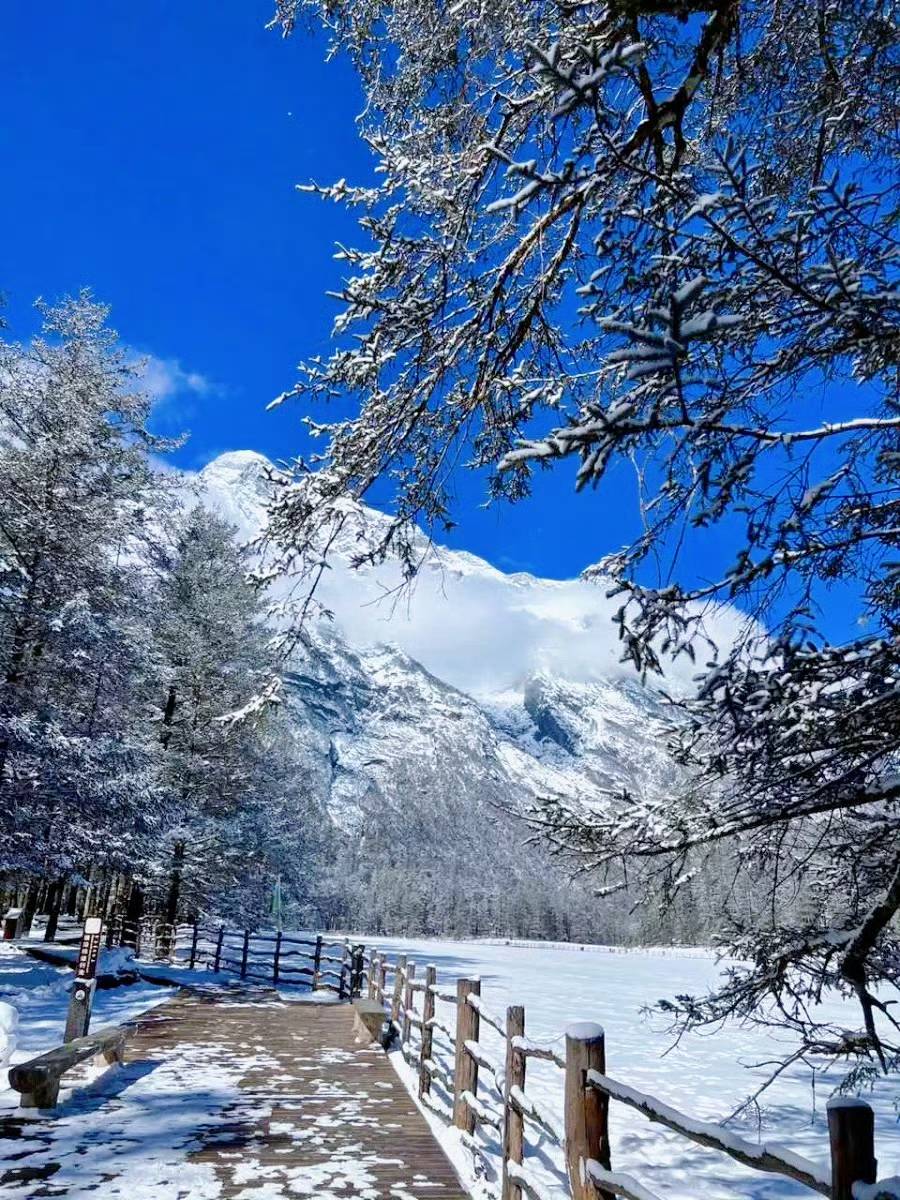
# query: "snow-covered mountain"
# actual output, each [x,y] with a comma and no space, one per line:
[424,725]
[559,714]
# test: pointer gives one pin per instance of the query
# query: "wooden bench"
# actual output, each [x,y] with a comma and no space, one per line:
[37,1080]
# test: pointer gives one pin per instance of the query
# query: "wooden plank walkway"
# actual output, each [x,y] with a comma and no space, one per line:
[240,1095]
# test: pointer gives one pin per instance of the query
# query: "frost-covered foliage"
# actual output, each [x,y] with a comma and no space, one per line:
[77,491]
[132,772]
[662,234]
[231,795]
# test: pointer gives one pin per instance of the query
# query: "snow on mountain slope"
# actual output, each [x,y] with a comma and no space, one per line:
[468,694]
[481,689]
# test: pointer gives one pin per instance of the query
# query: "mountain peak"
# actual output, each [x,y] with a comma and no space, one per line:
[237,461]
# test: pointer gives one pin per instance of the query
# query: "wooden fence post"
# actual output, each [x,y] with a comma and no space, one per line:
[399,975]
[245,952]
[276,958]
[851,1131]
[465,1075]
[382,978]
[408,995]
[341,973]
[586,1109]
[317,962]
[513,1121]
[219,942]
[373,959]
[425,1050]
[359,969]
[195,935]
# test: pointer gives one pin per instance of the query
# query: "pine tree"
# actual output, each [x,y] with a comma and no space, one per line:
[235,805]
[79,493]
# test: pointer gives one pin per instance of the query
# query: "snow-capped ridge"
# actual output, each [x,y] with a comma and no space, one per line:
[478,685]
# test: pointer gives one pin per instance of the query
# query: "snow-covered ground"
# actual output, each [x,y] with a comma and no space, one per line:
[706,1075]
[39,996]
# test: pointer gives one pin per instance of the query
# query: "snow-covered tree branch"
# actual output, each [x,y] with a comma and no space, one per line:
[662,234]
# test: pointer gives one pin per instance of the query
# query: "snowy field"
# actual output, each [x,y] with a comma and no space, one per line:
[38,995]
[706,1075]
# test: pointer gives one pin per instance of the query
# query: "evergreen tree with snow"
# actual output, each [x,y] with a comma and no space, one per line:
[79,496]
[234,814]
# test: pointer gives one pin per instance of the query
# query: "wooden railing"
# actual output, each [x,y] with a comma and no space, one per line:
[275,958]
[487,1101]
[484,1098]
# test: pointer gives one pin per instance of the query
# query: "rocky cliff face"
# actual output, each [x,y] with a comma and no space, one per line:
[420,772]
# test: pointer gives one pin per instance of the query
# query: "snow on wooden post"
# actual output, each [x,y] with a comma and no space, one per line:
[195,934]
[12,924]
[586,1109]
[851,1131]
[317,962]
[426,1045]
[399,975]
[513,1121]
[276,958]
[408,994]
[219,941]
[465,1075]
[245,953]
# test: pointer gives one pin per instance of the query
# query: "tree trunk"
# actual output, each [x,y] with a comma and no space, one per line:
[168,715]
[54,905]
[30,906]
[134,910]
[170,911]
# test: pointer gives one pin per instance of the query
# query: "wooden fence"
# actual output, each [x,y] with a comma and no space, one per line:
[275,958]
[482,1091]
[440,1034]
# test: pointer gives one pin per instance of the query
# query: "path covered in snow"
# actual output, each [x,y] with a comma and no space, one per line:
[235,1095]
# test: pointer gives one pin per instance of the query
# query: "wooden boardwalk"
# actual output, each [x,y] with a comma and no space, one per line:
[239,1095]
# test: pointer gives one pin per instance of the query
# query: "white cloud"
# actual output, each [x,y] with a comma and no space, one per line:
[164,379]
[485,632]
[464,620]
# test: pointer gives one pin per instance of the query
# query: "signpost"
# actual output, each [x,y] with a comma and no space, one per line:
[82,997]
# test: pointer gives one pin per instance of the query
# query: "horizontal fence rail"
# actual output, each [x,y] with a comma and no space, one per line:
[481,1088]
[439,1030]
[267,957]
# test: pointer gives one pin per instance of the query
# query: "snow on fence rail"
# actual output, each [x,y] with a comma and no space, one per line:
[275,958]
[460,1080]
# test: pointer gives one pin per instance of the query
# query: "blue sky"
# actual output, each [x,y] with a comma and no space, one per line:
[151,153]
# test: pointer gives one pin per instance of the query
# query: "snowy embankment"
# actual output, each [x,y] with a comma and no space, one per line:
[34,998]
[705,1075]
